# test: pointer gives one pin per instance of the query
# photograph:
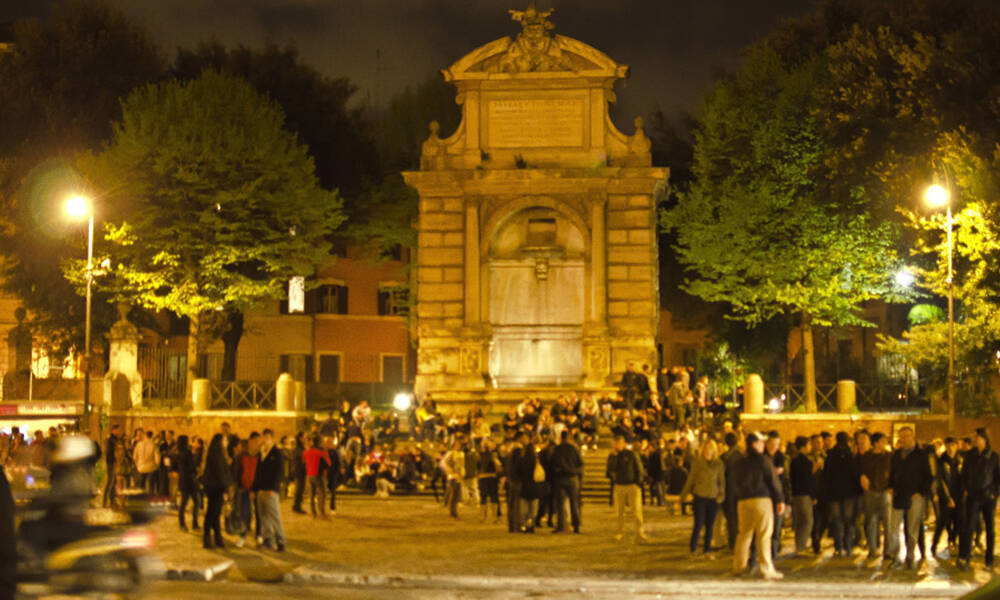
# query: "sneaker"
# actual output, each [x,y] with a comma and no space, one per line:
[642,536]
[265,546]
[280,548]
[772,576]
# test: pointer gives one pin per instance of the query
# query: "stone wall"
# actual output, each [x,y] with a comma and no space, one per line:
[926,426]
[207,423]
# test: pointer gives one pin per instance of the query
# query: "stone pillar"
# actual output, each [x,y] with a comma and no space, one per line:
[753,395]
[300,396]
[201,394]
[284,393]
[846,396]
[598,262]
[122,382]
[472,317]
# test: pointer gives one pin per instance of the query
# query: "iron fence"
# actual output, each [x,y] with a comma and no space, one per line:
[240,395]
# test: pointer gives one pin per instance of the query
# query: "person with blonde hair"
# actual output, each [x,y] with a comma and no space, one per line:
[707,482]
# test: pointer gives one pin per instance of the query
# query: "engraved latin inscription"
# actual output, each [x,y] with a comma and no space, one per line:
[535,122]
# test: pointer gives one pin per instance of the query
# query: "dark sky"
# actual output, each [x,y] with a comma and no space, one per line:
[671,46]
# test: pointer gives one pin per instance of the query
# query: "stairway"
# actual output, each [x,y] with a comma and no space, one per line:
[595,485]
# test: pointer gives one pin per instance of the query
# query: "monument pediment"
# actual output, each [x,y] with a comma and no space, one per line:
[553,56]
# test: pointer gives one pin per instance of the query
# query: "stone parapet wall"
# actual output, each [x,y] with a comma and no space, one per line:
[207,423]
[926,426]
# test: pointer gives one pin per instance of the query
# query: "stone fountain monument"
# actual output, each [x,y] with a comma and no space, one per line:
[537,259]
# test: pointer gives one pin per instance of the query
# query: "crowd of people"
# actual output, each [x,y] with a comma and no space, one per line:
[862,490]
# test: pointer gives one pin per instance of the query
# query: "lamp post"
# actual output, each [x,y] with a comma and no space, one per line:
[937,196]
[79,207]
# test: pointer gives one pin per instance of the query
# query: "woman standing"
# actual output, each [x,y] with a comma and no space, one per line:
[186,482]
[216,479]
[707,481]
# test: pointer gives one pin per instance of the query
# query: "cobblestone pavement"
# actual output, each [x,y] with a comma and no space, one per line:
[406,539]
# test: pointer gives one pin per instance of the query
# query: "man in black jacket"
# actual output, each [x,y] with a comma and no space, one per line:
[110,487]
[948,490]
[910,484]
[980,486]
[729,459]
[803,495]
[759,495]
[624,469]
[841,479]
[267,484]
[567,470]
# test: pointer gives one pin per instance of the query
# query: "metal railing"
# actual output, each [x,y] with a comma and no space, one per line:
[239,395]
[877,396]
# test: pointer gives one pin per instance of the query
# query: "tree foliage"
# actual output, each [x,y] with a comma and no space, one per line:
[60,95]
[212,205]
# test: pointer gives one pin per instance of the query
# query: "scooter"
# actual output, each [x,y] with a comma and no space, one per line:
[89,560]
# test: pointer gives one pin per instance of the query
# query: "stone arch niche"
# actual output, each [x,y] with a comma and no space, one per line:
[536,261]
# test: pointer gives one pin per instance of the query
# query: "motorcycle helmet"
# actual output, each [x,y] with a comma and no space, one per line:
[72,448]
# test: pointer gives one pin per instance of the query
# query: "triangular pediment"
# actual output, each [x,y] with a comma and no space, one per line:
[556,55]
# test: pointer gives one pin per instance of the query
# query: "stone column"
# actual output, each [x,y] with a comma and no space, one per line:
[122,382]
[598,261]
[753,395]
[472,317]
[846,396]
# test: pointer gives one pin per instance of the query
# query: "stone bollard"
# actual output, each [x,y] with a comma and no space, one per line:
[846,395]
[201,394]
[300,396]
[284,393]
[753,395]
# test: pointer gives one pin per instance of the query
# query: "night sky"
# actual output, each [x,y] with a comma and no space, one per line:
[672,46]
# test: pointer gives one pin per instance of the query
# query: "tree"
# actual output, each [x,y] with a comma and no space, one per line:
[757,228]
[213,204]
[60,95]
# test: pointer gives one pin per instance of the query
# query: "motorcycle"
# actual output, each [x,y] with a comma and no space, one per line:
[77,558]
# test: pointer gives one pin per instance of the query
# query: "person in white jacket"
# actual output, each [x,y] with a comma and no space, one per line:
[146,457]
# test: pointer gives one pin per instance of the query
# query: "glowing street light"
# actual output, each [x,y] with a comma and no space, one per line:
[79,207]
[938,196]
[904,278]
[402,402]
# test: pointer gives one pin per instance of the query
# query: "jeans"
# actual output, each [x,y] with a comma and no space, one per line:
[213,512]
[704,510]
[185,496]
[269,507]
[453,494]
[974,507]
[514,519]
[821,520]
[732,518]
[947,520]
[567,488]
[300,490]
[756,520]
[878,509]
[842,513]
[244,511]
[317,488]
[110,491]
[779,522]
[913,518]
[802,521]
[628,495]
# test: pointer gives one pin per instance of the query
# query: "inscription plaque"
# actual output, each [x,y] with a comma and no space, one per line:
[535,122]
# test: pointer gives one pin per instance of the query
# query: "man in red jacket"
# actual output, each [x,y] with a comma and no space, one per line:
[317,462]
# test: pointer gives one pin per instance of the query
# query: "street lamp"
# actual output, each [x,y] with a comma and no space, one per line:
[938,196]
[79,207]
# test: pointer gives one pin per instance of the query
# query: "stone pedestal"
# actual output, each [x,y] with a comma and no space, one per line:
[122,382]
[753,395]
[846,396]
[284,393]
[536,263]
[201,395]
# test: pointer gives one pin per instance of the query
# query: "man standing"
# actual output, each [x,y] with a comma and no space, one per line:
[910,484]
[110,466]
[821,507]
[841,479]
[630,386]
[567,470]
[624,469]
[146,459]
[981,484]
[873,467]
[772,450]
[948,495]
[729,458]
[759,496]
[454,469]
[317,462]
[267,484]
[803,495]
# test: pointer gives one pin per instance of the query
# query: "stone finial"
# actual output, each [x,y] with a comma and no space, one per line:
[639,145]
[432,150]
[123,329]
[534,49]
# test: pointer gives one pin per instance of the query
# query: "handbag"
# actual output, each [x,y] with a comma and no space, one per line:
[539,474]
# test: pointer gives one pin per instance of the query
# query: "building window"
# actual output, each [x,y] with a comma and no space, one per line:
[329,368]
[392,368]
[330,299]
[542,232]
[393,299]
[299,366]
